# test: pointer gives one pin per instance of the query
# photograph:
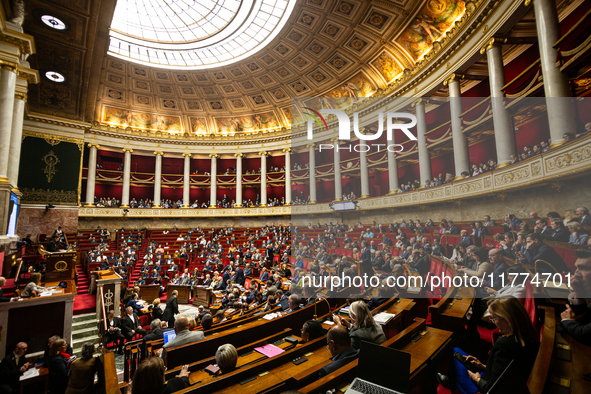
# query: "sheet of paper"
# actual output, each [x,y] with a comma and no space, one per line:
[31,373]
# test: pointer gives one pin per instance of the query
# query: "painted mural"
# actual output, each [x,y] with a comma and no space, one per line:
[293,115]
[387,66]
[430,25]
[265,121]
[345,95]
[198,126]
[141,120]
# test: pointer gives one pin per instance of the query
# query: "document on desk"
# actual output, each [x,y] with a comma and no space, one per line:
[30,373]
[383,317]
[270,316]
[269,350]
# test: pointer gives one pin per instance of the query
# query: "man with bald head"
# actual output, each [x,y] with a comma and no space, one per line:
[12,367]
[339,344]
[183,335]
[130,325]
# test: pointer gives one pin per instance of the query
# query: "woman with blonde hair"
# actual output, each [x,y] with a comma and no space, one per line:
[362,326]
[34,287]
[226,358]
[569,215]
[578,236]
[518,343]
[149,378]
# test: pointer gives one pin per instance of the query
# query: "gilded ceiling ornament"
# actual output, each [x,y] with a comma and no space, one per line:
[51,161]
[52,140]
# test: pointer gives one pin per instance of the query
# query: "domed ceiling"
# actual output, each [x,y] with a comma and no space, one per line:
[333,48]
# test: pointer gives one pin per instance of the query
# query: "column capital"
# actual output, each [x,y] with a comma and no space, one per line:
[12,66]
[214,155]
[125,150]
[286,150]
[334,139]
[452,77]
[159,153]
[93,145]
[187,155]
[264,153]
[312,145]
[492,42]
[21,96]
[420,101]
[238,154]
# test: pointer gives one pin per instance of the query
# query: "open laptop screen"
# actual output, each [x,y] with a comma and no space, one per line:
[169,336]
[377,363]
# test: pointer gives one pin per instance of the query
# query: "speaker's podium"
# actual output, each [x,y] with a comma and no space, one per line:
[202,295]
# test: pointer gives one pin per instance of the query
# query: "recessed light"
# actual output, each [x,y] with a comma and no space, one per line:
[53,22]
[55,76]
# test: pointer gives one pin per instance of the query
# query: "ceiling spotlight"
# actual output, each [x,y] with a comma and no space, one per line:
[55,76]
[53,22]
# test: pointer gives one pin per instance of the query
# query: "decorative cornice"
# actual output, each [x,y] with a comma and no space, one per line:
[286,150]
[451,78]
[53,139]
[57,121]
[311,145]
[127,150]
[264,153]
[12,66]
[238,154]
[420,101]
[25,44]
[493,42]
[30,75]
[20,96]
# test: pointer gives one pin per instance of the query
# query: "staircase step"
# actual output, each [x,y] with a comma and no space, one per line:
[85,332]
[84,316]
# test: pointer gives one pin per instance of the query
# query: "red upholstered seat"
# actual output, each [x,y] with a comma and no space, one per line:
[145,322]
[247,283]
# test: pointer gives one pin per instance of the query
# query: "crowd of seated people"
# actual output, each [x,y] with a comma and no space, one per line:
[104,202]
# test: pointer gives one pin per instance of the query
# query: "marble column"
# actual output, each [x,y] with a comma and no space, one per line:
[7,91]
[393,182]
[239,179]
[263,178]
[503,125]
[126,177]
[363,167]
[561,116]
[213,182]
[460,144]
[16,138]
[157,179]
[91,176]
[312,168]
[287,152]
[187,181]
[338,180]
[424,156]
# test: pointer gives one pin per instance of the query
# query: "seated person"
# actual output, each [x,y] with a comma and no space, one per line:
[130,325]
[34,287]
[133,303]
[311,330]
[339,344]
[576,319]
[519,343]
[184,335]
[362,326]
[538,250]
[12,367]
[226,358]
[149,378]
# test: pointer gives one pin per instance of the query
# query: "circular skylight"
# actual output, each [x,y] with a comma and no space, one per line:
[194,34]
[53,22]
[55,76]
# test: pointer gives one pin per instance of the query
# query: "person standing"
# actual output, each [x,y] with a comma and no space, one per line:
[82,372]
[172,308]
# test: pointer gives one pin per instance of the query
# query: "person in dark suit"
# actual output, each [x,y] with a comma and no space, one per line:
[2,284]
[559,233]
[538,250]
[366,259]
[239,277]
[130,325]
[519,343]
[269,253]
[12,367]
[113,331]
[421,263]
[437,249]
[264,275]
[465,238]
[133,303]
[50,342]
[339,345]
[58,365]
[583,214]
[172,308]
[576,319]
[247,271]
[453,229]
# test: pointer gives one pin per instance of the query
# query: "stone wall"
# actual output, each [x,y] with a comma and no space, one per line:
[34,220]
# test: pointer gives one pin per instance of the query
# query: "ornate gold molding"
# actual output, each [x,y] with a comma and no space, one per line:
[125,150]
[25,45]
[40,196]
[214,155]
[20,96]
[93,145]
[29,75]
[159,153]
[493,42]
[9,65]
[238,154]
[264,153]
[311,145]
[286,150]
[421,101]
[452,77]
[187,155]
[54,139]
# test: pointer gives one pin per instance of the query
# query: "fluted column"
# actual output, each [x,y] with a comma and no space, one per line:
[363,166]
[239,179]
[393,182]
[263,178]
[91,177]
[213,182]
[559,105]
[312,167]
[16,138]
[126,177]
[187,181]
[503,126]
[460,144]
[338,181]
[7,90]
[287,152]
[424,156]
[157,179]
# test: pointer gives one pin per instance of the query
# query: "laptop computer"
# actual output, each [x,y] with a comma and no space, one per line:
[374,371]
[169,336]
[284,304]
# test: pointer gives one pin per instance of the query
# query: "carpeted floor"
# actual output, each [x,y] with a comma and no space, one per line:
[84,303]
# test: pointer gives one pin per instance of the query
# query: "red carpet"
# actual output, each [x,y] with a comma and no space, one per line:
[84,303]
